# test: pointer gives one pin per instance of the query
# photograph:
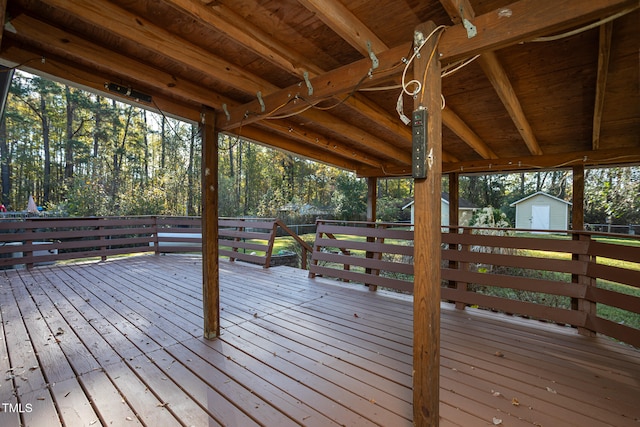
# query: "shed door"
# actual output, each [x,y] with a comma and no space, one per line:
[540,217]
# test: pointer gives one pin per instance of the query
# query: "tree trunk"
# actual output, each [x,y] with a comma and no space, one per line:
[45,146]
[68,157]
[5,166]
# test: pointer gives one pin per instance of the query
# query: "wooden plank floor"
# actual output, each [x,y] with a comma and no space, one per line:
[118,343]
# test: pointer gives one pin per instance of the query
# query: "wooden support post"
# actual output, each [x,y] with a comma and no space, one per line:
[372,200]
[454,223]
[577,224]
[577,217]
[426,306]
[210,270]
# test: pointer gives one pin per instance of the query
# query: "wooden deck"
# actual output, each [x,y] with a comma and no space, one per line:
[118,343]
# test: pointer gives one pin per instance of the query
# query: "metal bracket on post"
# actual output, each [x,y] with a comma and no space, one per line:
[261,101]
[308,82]
[472,31]
[374,59]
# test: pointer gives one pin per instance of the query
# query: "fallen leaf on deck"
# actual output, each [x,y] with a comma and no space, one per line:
[497,421]
[355,315]
[515,402]
[498,354]
[550,390]
[496,393]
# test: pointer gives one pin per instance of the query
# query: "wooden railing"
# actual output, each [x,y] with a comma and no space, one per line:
[44,240]
[565,279]
[376,254]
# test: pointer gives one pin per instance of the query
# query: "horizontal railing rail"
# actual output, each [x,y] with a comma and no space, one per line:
[34,240]
[376,254]
[572,278]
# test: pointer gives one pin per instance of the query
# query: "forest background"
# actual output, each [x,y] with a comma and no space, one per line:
[81,154]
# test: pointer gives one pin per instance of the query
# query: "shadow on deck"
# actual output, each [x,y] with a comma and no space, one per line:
[119,343]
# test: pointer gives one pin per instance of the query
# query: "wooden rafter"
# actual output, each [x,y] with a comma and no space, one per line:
[609,157]
[451,120]
[459,9]
[243,32]
[604,53]
[238,29]
[79,50]
[146,34]
[346,25]
[495,32]
[500,82]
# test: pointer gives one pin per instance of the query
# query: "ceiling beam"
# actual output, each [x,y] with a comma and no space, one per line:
[121,69]
[266,136]
[451,120]
[109,66]
[522,21]
[220,18]
[601,158]
[500,82]
[496,29]
[118,21]
[235,27]
[604,54]
[462,9]
[63,71]
[620,156]
[147,34]
[344,23]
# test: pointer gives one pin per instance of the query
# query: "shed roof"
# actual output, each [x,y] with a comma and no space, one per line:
[539,193]
[301,75]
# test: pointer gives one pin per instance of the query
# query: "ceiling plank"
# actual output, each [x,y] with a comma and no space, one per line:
[344,23]
[131,27]
[496,29]
[604,54]
[500,82]
[459,9]
[451,120]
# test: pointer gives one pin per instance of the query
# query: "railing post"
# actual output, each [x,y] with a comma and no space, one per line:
[374,255]
[29,242]
[103,247]
[316,247]
[156,238]
[582,304]
[463,266]
[272,239]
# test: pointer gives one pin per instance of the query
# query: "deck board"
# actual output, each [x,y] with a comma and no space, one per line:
[119,343]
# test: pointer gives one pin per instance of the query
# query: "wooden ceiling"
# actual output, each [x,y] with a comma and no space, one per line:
[521,104]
